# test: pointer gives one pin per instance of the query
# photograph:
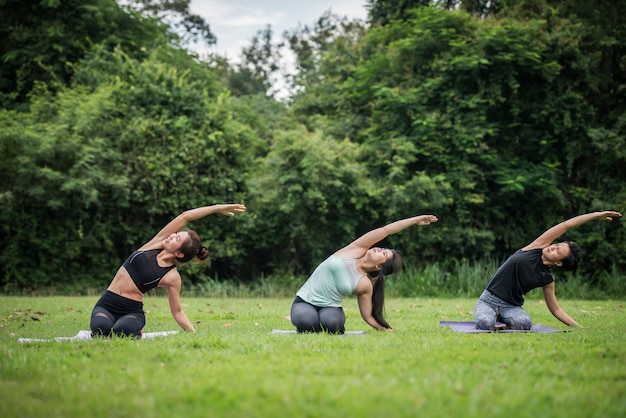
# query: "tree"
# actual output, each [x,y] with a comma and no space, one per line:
[259,70]
[327,55]
[310,196]
[193,28]
[40,40]
[93,171]
[382,12]
[486,113]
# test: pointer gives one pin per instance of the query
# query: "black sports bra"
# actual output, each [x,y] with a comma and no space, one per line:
[143,268]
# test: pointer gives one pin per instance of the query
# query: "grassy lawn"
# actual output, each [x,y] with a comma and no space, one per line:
[234,366]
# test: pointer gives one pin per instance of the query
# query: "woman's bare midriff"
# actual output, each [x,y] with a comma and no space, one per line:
[124,286]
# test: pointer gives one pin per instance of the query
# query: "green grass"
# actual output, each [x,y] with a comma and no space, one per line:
[234,367]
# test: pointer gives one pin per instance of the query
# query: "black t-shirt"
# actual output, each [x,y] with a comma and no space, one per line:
[520,273]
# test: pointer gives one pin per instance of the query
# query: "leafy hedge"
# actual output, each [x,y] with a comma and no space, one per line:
[500,126]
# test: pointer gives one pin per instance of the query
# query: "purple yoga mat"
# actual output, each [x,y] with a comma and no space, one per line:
[470,327]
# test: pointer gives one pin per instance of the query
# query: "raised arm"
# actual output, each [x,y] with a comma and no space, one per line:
[181,220]
[360,246]
[556,231]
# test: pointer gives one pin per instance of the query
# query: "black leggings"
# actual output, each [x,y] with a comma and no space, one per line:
[117,315]
[311,318]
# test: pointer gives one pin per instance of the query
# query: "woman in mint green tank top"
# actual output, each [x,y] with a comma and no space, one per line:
[357,269]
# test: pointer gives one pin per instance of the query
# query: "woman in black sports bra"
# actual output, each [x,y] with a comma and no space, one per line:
[120,309]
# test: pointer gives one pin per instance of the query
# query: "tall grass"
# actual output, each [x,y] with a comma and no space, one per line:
[453,279]
[460,278]
[276,286]
[463,279]
[468,279]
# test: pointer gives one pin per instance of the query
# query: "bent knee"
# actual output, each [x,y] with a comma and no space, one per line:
[484,324]
[522,324]
[100,330]
[304,325]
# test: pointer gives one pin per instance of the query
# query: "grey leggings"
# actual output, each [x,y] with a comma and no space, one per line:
[491,308]
[311,318]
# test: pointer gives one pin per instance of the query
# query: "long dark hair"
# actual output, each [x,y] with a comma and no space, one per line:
[378,280]
[192,248]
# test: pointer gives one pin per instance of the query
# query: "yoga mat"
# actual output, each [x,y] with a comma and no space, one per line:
[470,327]
[293,331]
[86,335]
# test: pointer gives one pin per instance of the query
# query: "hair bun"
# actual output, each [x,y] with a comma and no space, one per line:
[203,252]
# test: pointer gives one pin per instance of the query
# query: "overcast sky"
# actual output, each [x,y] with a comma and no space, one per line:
[235,22]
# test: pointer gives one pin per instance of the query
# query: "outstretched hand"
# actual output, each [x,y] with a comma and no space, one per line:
[608,215]
[426,219]
[230,209]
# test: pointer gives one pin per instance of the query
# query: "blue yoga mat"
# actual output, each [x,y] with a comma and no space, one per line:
[470,327]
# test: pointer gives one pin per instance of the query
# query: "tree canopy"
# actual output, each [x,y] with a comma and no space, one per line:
[502,118]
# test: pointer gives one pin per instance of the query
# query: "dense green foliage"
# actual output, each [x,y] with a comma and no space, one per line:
[502,118]
[493,124]
[152,135]
[42,40]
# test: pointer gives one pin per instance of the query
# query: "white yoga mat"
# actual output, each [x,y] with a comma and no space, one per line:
[293,331]
[86,335]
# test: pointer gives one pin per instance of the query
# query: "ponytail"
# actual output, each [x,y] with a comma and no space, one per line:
[378,300]
[378,294]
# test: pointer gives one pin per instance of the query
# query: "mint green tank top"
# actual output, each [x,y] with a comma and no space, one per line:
[331,282]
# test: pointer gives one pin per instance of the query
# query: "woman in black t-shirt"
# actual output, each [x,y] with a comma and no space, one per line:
[530,268]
